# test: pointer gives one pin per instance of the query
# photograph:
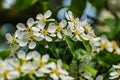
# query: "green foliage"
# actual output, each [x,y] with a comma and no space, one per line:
[76,51]
[4,53]
[78,6]
[91,69]
[24,4]
[106,60]
[98,4]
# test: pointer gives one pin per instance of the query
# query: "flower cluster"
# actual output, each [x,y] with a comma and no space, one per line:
[105,44]
[116,73]
[50,30]
[45,30]
[32,64]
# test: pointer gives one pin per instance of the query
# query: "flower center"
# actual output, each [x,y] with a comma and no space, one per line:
[76,32]
[73,21]
[42,63]
[13,41]
[44,32]
[59,28]
[28,29]
[87,28]
[18,68]
[5,73]
[43,19]
[103,45]
[31,37]
[55,71]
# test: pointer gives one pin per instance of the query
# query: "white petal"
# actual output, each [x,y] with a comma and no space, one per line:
[39,16]
[21,54]
[114,73]
[70,14]
[50,19]
[39,38]
[36,34]
[66,15]
[45,57]
[59,35]
[41,25]
[13,75]
[51,65]
[77,37]
[116,66]
[47,14]
[49,39]
[17,33]
[35,29]
[113,77]
[30,22]
[51,28]
[21,26]
[39,74]
[8,36]
[33,54]
[63,71]
[32,45]
[22,42]
[44,70]
[54,76]
[99,77]
[63,23]
[59,63]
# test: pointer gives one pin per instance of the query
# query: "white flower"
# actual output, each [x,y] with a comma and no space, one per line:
[72,20]
[12,39]
[8,72]
[28,38]
[44,18]
[57,71]
[58,29]
[116,73]
[44,33]
[25,57]
[42,64]
[78,32]
[111,46]
[22,27]
[29,68]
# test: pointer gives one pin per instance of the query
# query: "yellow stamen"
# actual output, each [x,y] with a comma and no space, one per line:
[44,32]
[29,29]
[76,32]
[31,37]
[55,71]
[103,45]
[18,68]
[42,63]
[73,21]
[59,28]
[43,19]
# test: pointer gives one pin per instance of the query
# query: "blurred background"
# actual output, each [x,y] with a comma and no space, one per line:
[103,15]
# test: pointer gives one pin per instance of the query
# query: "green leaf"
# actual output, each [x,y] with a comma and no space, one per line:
[4,53]
[91,69]
[75,52]
[114,26]
[52,48]
[99,4]
[24,4]
[105,60]
[87,46]
[78,6]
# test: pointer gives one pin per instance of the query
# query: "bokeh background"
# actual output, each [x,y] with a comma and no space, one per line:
[103,15]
